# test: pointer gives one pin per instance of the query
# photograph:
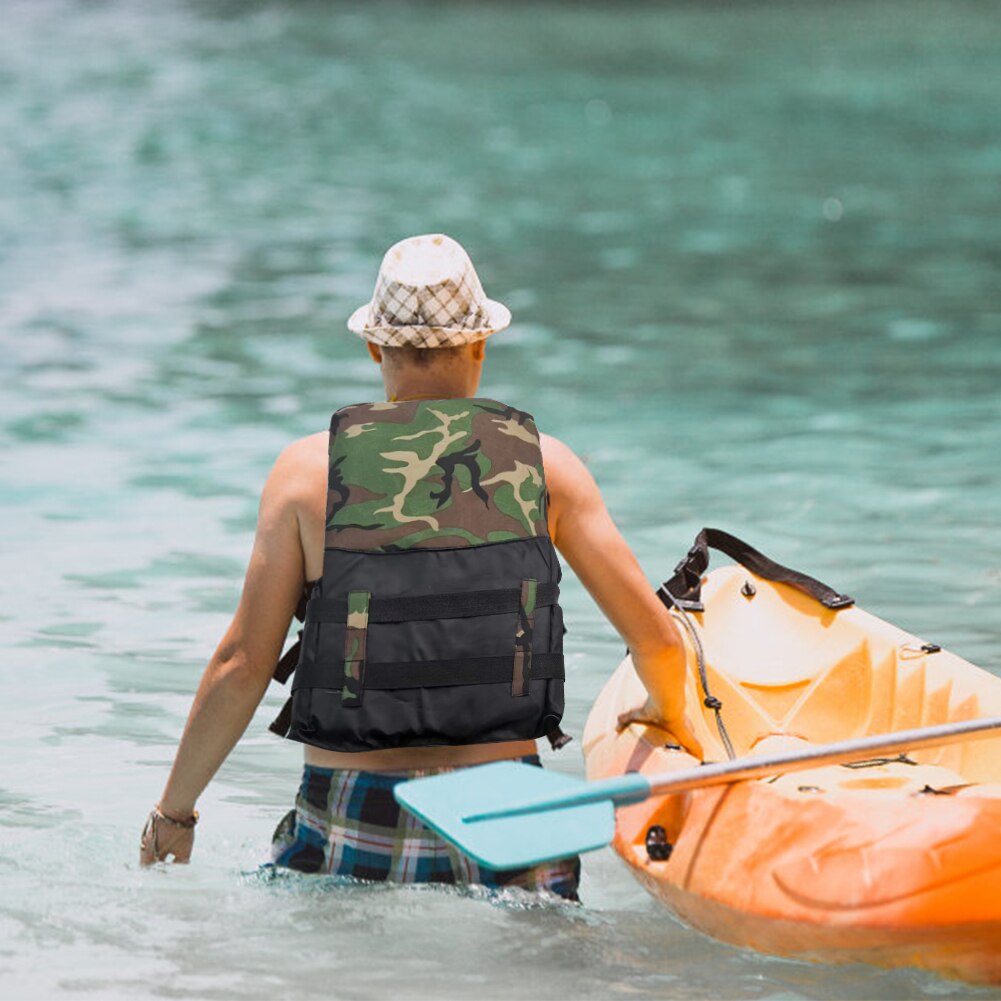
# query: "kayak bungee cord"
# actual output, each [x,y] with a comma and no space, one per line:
[709,700]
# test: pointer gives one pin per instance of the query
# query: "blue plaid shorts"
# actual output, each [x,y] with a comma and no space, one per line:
[347,823]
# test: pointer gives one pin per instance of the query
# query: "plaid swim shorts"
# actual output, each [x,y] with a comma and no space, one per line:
[347,823]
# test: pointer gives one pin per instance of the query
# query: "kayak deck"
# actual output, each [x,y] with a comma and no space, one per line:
[894,862]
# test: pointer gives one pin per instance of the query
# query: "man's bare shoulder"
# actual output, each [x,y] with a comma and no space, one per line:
[556,453]
[567,478]
[299,469]
[307,450]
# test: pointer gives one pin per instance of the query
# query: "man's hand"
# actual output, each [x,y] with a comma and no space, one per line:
[666,685]
[163,836]
[681,728]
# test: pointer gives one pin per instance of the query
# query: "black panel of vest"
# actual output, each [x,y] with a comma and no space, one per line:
[437,680]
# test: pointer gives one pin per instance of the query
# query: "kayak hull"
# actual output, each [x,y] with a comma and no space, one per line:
[895,863]
[968,952]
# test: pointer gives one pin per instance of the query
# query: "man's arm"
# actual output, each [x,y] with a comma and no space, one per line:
[238,674]
[583,531]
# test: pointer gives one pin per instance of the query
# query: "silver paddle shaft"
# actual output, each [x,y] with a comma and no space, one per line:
[839,753]
[634,787]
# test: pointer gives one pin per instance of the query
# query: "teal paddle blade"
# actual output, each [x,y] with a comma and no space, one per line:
[444,802]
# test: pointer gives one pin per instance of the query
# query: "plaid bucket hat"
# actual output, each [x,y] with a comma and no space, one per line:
[428,295]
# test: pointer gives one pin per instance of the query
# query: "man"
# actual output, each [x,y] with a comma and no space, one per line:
[426,328]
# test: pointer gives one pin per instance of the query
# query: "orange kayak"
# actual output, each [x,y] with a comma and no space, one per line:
[891,862]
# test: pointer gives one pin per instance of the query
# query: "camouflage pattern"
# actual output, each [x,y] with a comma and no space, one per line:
[354,647]
[522,670]
[433,474]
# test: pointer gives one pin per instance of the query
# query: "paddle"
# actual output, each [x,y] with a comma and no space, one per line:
[507,815]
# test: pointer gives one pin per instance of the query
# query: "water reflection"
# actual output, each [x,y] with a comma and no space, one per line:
[753,263]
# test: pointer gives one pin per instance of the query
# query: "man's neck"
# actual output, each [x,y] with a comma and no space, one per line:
[438,391]
[404,395]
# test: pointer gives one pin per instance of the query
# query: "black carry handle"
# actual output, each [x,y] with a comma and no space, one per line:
[685,587]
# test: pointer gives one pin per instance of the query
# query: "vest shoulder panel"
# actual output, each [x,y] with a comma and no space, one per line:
[433,474]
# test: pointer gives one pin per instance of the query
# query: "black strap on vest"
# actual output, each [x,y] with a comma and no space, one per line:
[431,674]
[290,660]
[455,605]
[685,587]
[435,606]
[557,738]
[387,675]
[282,723]
[462,671]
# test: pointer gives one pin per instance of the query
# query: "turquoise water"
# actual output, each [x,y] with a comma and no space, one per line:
[753,257]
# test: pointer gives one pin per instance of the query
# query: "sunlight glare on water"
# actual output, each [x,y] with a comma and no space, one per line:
[752,254]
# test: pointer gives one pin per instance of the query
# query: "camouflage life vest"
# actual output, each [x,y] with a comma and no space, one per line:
[436,620]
